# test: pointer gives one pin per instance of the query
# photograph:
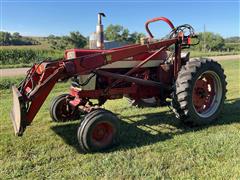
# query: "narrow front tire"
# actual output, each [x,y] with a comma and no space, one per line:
[98,131]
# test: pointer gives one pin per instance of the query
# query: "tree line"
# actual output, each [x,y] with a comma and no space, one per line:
[214,42]
[208,41]
[73,40]
[15,38]
[77,40]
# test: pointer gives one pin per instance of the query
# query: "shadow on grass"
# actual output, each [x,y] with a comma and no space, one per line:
[132,136]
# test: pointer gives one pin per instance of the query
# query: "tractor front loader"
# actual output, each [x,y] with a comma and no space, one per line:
[147,74]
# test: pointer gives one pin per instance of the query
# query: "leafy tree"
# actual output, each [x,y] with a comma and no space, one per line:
[5,38]
[210,42]
[15,39]
[116,33]
[77,40]
[119,33]
[16,35]
[74,40]
[57,42]
[125,35]
[136,37]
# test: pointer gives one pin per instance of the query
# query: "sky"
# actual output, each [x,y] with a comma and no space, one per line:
[45,17]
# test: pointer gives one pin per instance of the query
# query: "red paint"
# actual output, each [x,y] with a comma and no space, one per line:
[157,19]
[189,41]
[42,78]
[203,93]
[102,134]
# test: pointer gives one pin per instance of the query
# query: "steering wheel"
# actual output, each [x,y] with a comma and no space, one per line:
[157,19]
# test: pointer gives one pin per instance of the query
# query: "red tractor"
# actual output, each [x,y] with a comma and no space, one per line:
[147,74]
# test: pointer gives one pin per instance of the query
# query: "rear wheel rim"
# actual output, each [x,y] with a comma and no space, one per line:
[102,134]
[207,94]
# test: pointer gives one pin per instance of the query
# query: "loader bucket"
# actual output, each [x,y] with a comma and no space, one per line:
[18,112]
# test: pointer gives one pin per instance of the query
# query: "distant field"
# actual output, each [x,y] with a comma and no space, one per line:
[233,43]
[213,53]
[23,57]
[41,46]
[154,145]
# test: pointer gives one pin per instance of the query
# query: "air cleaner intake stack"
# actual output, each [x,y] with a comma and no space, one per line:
[100,32]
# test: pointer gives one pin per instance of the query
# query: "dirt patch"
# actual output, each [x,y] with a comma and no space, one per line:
[227,57]
[13,72]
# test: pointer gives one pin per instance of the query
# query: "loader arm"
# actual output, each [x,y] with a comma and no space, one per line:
[41,78]
[34,89]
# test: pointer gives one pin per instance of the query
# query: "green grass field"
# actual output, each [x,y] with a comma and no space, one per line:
[213,53]
[154,145]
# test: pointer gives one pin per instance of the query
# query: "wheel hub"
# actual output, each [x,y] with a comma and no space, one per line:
[64,112]
[102,133]
[204,92]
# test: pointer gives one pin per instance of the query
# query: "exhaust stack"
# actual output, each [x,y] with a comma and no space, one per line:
[100,32]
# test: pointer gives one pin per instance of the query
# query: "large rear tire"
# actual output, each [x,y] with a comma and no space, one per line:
[98,131]
[200,92]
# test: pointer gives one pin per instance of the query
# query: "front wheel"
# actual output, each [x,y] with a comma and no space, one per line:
[61,111]
[200,92]
[98,131]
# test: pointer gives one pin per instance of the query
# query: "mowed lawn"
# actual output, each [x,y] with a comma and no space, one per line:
[153,143]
